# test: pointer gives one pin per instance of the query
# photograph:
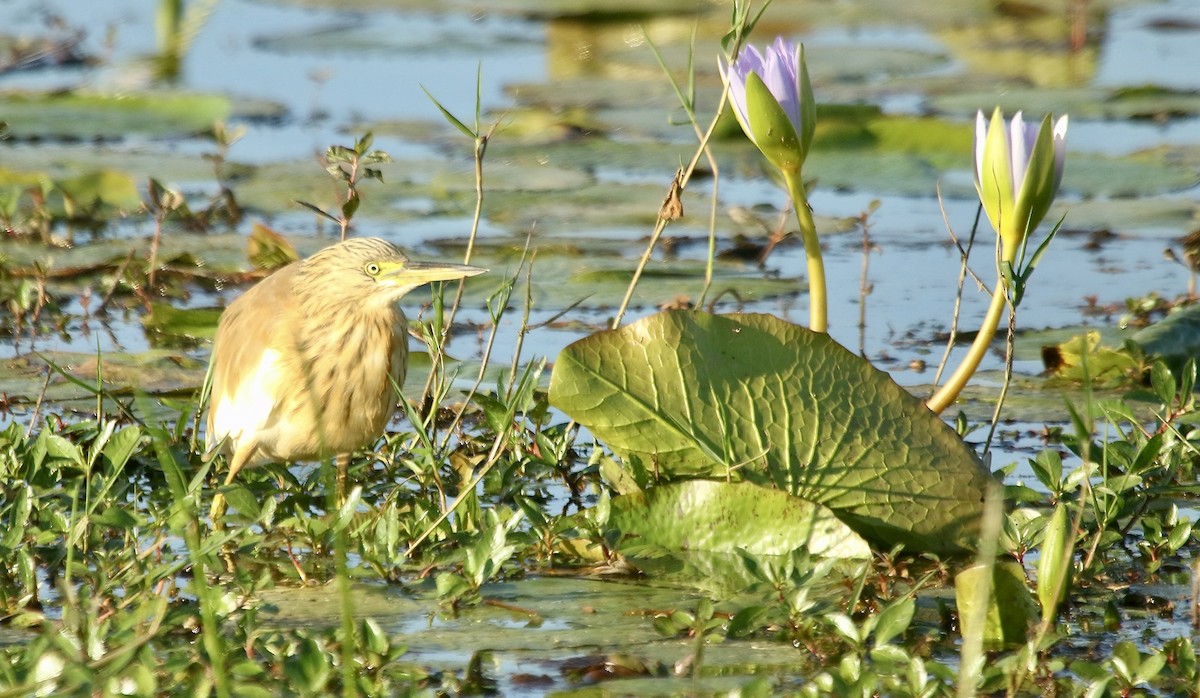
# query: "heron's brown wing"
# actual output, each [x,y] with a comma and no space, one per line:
[241,392]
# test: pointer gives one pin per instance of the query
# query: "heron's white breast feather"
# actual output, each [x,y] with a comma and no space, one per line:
[247,409]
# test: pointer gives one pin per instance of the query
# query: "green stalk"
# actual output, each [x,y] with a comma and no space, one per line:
[948,393]
[337,503]
[817,305]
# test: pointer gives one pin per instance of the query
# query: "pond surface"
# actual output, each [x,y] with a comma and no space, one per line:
[589,137]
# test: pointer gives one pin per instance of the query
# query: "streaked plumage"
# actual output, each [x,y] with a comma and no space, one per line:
[304,363]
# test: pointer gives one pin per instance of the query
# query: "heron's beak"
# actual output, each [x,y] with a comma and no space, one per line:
[417,273]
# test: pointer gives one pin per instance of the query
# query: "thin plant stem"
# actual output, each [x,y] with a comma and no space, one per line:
[1008,372]
[493,457]
[481,141]
[817,304]
[637,272]
[864,283]
[688,103]
[661,223]
[490,344]
[948,393]
[523,330]
[963,270]
[742,25]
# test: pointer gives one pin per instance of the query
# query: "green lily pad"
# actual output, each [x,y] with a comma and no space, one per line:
[173,326]
[1028,345]
[1106,366]
[681,395]
[600,283]
[86,115]
[1137,175]
[156,372]
[1159,217]
[213,254]
[101,189]
[1079,102]
[726,516]
[1176,337]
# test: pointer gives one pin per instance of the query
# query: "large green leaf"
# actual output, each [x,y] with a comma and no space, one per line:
[715,516]
[686,394]
[1176,337]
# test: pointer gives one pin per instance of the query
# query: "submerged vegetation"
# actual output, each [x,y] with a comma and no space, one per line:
[698,501]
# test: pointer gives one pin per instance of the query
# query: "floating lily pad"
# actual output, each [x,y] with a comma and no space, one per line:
[174,327]
[102,189]
[525,8]
[155,372]
[1084,356]
[1079,102]
[1028,344]
[1159,217]
[85,115]
[684,394]
[602,283]
[211,254]
[1136,175]
[1024,50]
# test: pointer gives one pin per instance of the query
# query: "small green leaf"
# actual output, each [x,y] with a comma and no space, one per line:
[1150,668]
[450,118]
[1047,467]
[894,620]
[845,625]
[373,637]
[172,326]
[319,211]
[115,517]
[1055,562]
[121,447]
[1162,382]
[17,520]
[243,501]
[351,205]
[746,621]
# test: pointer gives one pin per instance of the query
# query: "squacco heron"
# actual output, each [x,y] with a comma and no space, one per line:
[305,365]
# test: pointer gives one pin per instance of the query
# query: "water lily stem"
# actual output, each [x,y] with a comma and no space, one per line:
[948,393]
[817,305]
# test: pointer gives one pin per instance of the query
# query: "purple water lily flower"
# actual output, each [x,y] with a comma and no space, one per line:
[780,118]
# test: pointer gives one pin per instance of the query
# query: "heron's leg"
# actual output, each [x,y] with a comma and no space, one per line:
[217,511]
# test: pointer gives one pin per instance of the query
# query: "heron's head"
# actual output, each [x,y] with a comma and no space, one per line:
[374,271]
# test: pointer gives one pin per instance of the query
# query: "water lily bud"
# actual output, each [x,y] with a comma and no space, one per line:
[1018,169]
[772,99]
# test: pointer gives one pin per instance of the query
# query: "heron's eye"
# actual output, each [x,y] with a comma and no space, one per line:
[372,269]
